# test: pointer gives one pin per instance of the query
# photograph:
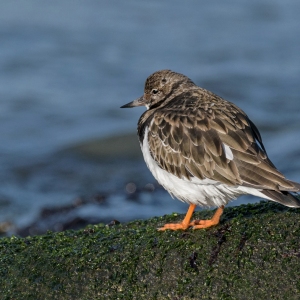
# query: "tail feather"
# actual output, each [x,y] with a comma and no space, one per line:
[296,185]
[283,197]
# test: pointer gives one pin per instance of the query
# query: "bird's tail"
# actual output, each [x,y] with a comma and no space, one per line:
[284,197]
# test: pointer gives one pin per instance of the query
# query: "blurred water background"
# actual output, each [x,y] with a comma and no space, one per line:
[69,155]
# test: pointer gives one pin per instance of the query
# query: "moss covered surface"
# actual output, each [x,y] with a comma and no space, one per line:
[253,254]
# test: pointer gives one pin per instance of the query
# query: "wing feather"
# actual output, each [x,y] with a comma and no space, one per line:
[190,143]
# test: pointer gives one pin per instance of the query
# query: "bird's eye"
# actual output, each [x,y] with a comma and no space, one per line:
[154,91]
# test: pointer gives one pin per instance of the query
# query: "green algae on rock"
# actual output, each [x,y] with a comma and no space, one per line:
[253,254]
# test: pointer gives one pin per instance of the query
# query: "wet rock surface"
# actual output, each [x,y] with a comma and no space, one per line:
[252,254]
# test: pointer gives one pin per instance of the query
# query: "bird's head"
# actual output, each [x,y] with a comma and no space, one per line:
[160,87]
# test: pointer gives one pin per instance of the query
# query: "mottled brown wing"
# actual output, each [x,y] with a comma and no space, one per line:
[191,143]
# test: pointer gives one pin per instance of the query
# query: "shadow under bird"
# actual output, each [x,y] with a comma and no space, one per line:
[203,149]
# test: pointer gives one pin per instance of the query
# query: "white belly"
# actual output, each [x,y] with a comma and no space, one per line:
[205,192]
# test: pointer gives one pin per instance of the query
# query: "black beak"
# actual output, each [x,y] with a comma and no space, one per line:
[137,102]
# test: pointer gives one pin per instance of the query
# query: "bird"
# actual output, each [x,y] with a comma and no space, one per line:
[203,149]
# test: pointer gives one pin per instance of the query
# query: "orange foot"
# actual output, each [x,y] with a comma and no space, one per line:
[197,224]
[175,226]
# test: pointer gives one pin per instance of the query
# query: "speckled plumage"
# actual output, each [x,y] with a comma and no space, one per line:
[207,143]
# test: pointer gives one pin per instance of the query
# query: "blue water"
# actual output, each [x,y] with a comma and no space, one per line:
[66,68]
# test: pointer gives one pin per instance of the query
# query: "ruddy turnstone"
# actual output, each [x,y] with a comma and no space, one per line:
[203,149]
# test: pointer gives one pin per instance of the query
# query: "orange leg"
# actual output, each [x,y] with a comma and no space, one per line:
[197,223]
[184,224]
